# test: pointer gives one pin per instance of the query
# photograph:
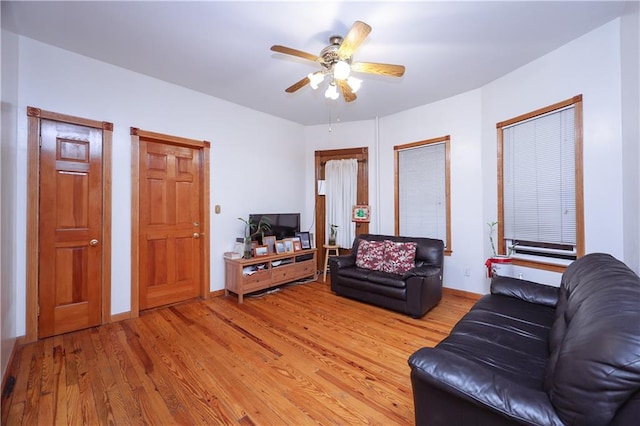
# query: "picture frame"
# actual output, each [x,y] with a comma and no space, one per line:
[259,251]
[305,240]
[297,245]
[270,242]
[360,213]
[279,246]
[288,245]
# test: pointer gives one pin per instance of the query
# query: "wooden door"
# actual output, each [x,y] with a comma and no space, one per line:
[70,224]
[321,158]
[169,224]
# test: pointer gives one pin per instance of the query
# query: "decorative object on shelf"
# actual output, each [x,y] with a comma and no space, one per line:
[497,264]
[260,251]
[253,230]
[333,234]
[279,247]
[360,213]
[288,245]
[270,242]
[297,245]
[305,239]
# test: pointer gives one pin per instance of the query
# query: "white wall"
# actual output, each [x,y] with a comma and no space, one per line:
[630,63]
[589,66]
[8,210]
[255,158]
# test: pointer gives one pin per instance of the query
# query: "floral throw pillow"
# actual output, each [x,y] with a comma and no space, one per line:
[370,255]
[399,257]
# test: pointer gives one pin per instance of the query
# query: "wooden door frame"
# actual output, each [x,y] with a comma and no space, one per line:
[204,147]
[321,158]
[34,117]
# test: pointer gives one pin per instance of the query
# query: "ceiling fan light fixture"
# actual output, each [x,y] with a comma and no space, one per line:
[341,70]
[315,78]
[354,83]
[331,92]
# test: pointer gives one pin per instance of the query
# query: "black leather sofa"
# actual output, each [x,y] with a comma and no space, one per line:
[414,292]
[539,355]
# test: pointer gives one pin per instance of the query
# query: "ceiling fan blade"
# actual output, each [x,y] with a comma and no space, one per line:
[356,35]
[294,52]
[382,69]
[349,96]
[296,86]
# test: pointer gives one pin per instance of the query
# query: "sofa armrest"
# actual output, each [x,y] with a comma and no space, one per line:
[528,291]
[477,384]
[422,271]
[342,261]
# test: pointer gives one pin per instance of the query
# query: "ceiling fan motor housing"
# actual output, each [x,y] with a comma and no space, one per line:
[329,55]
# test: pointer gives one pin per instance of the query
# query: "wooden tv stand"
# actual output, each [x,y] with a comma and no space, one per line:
[268,271]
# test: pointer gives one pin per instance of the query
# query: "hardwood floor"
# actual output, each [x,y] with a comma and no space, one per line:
[298,356]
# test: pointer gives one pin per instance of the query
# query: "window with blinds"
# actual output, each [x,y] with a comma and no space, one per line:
[541,209]
[422,190]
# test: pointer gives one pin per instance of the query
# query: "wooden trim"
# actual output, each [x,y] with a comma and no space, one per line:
[19,341]
[462,293]
[33,194]
[135,224]
[121,316]
[168,139]
[205,286]
[541,111]
[396,192]
[205,194]
[545,266]
[580,241]
[34,115]
[396,199]
[216,293]
[55,116]
[107,144]
[576,101]
[501,245]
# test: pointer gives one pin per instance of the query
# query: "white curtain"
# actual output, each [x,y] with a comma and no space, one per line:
[341,178]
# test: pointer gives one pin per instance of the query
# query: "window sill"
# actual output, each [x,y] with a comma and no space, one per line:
[537,264]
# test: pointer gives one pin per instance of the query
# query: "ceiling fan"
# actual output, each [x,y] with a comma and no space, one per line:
[336,63]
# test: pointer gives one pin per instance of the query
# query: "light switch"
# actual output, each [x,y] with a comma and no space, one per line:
[217,209]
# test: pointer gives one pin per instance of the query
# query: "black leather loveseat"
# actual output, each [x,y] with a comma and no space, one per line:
[412,291]
[539,355]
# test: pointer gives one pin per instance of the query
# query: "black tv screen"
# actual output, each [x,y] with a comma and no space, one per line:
[283,225]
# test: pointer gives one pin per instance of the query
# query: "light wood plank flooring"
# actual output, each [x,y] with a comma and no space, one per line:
[298,356]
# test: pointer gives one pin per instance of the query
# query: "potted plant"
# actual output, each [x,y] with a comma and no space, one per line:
[252,230]
[333,234]
[499,264]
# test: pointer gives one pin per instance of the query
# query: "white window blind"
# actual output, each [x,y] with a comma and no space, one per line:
[422,191]
[539,185]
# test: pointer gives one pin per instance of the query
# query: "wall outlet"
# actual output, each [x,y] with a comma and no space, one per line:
[467,272]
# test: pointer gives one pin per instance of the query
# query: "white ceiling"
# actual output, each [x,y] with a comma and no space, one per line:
[223,48]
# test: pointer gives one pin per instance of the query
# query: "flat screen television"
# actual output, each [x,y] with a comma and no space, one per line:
[283,225]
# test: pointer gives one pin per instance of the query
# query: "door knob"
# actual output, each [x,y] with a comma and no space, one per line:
[93,242]
[196,235]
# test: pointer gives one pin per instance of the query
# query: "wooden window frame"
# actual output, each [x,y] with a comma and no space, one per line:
[396,150]
[576,102]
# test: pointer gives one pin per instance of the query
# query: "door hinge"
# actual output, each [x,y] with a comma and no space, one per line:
[38,311]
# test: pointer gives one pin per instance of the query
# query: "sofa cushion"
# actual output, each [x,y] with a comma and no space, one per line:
[594,361]
[390,280]
[399,257]
[370,255]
